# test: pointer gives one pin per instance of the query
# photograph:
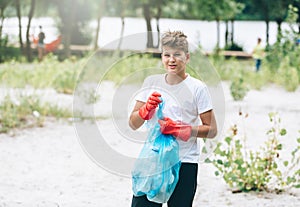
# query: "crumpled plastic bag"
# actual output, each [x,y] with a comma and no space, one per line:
[156,170]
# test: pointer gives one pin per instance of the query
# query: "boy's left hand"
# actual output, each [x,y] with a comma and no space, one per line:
[176,128]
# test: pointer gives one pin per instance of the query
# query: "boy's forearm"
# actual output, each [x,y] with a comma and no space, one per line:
[204,131]
[135,121]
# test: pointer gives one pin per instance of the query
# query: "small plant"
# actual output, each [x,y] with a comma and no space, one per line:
[238,88]
[27,111]
[288,75]
[247,170]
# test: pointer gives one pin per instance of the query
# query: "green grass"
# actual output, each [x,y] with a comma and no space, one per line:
[64,77]
[27,111]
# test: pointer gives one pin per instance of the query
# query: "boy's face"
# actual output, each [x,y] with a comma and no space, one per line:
[174,60]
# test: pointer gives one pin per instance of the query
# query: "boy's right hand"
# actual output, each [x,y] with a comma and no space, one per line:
[148,109]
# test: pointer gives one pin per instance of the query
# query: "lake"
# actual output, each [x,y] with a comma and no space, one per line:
[198,32]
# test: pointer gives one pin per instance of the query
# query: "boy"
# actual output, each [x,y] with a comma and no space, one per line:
[188,115]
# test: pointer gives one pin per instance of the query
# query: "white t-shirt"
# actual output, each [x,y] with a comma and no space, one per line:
[183,102]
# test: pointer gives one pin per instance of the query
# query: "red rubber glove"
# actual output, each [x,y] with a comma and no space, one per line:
[176,128]
[147,111]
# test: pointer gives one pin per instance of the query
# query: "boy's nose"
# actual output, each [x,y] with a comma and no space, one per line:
[172,58]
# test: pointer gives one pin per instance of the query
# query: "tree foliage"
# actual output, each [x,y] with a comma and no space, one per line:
[74,16]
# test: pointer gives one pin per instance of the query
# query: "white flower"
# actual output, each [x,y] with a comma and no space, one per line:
[36,113]
[17,103]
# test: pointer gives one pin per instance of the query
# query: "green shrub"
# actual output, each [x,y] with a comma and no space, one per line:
[234,47]
[282,59]
[27,111]
[288,75]
[50,73]
[258,80]
[247,170]
[238,87]
[7,52]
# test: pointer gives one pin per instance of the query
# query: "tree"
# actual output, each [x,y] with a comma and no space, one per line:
[216,10]
[297,5]
[29,6]
[150,9]
[3,6]
[18,10]
[100,10]
[279,11]
[234,8]
[159,7]
[74,16]
[263,7]
[121,9]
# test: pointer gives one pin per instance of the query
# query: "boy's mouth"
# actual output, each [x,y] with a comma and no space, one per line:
[172,66]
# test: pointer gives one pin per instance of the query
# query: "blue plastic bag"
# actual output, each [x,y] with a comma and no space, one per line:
[156,170]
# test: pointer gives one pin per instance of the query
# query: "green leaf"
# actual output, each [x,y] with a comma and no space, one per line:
[286,163]
[279,147]
[228,140]
[217,173]
[298,140]
[239,161]
[283,132]
[207,160]
[297,186]
[227,164]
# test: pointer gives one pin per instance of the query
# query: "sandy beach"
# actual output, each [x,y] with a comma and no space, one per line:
[48,167]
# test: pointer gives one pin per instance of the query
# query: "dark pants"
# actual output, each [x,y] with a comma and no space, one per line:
[183,194]
[257,64]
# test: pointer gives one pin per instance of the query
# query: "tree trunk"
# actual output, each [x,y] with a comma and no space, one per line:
[226,33]
[147,16]
[267,33]
[158,32]
[232,32]
[279,32]
[69,23]
[18,9]
[122,33]
[1,23]
[218,35]
[158,15]
[97,32]
[100,13]
[28,43]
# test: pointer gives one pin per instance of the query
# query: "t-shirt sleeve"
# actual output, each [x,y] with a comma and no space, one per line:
[144,92]
[204,102]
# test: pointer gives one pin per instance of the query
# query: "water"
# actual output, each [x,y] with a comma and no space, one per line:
[198,32]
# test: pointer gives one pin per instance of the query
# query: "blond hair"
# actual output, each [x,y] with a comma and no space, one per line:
[175,39]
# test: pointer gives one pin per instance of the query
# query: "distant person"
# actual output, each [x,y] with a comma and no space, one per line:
[258,54]
[41,44]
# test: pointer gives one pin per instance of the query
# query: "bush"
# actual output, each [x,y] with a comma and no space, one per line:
[247,170]
[50,73]
[283,57]
[288,75]
[238,87]
[27,111]
[234,47]
[8,53]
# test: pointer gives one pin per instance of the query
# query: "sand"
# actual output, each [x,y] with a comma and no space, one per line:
[48,166]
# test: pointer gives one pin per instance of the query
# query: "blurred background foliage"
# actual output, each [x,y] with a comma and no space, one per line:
[72,17]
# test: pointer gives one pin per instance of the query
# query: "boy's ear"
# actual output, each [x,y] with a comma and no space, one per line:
[187,57]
